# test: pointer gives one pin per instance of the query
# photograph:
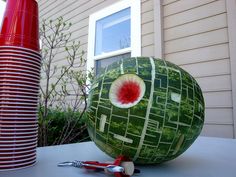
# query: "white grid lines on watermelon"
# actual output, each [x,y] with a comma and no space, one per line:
[100,94]
[123,117]
[102,123]
[156,109]
[154,114]
[93,107]
[148,109]
[101,134]
[148,145]
[104,99]
[179,123]
[173,69]
[121,67]
[189,138]
[136,59]
[109,124]
[187,90]
[147,80]
[126,130]
[167,143]
[135,116]
[171,148]
[131,134]
[193,103]
[174,88]
[107,83]
[144,99]
[170,127]
[200,118]
[163,123]
[148,154]
[166,98]
[121,138]
[153,125]
[153,136]
[103,107]
[178,145]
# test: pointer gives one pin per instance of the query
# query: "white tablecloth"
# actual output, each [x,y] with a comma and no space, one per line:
[207,157]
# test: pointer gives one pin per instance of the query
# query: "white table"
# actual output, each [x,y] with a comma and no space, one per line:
[207,157]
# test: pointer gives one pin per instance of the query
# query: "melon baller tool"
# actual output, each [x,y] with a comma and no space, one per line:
[121,167]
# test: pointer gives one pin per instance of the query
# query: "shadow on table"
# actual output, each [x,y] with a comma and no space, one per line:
[182,165]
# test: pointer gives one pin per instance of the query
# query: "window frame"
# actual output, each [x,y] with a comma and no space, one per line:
[135,33]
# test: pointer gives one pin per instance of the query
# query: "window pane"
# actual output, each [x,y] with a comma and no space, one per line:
[101,64]
[113,32]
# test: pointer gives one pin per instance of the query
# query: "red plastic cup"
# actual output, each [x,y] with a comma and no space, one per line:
[20,53]
[16,48]
[20,26]
[26,58]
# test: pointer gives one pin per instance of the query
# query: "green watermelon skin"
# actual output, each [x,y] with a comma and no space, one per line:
[163,125]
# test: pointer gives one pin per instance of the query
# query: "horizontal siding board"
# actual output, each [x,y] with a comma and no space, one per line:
[221,99]
[80,32]
[73,9]
[148,39]
[209,53]
[198,13]
[219,116]
[148,51]
[196,38]
[79,28]
[61,53]
[50,8]
[197,41]
[196,27]
[78,13]
[147,17]
[148,28]
[80,21]
[166,2]
[63,62]
[224,131]
[215,83]
[147,6]
[183,5]
[44,5]
[212,68]
[60,9]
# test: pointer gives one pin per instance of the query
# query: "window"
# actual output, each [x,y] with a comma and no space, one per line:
[114,33]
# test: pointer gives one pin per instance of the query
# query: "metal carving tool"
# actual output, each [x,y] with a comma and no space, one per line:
[122,167]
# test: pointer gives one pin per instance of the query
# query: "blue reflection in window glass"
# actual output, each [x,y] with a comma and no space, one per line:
[103,63]
[113,32]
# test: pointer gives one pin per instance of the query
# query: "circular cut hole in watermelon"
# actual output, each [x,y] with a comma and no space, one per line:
[127,91]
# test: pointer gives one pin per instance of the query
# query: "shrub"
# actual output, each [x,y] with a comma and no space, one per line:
[63,96]
[63,127]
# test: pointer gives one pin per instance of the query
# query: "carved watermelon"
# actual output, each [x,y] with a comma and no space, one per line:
[147,109]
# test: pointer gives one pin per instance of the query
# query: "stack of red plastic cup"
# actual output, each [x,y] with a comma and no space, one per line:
[20,62]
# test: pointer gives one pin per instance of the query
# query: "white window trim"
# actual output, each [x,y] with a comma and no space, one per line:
[231,16]
[158,29]
[135,47]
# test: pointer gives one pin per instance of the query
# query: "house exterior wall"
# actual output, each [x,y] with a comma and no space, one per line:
[77,12]
[195,37]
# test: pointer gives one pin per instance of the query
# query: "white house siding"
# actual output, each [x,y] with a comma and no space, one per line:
[196,38]
[77,12]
